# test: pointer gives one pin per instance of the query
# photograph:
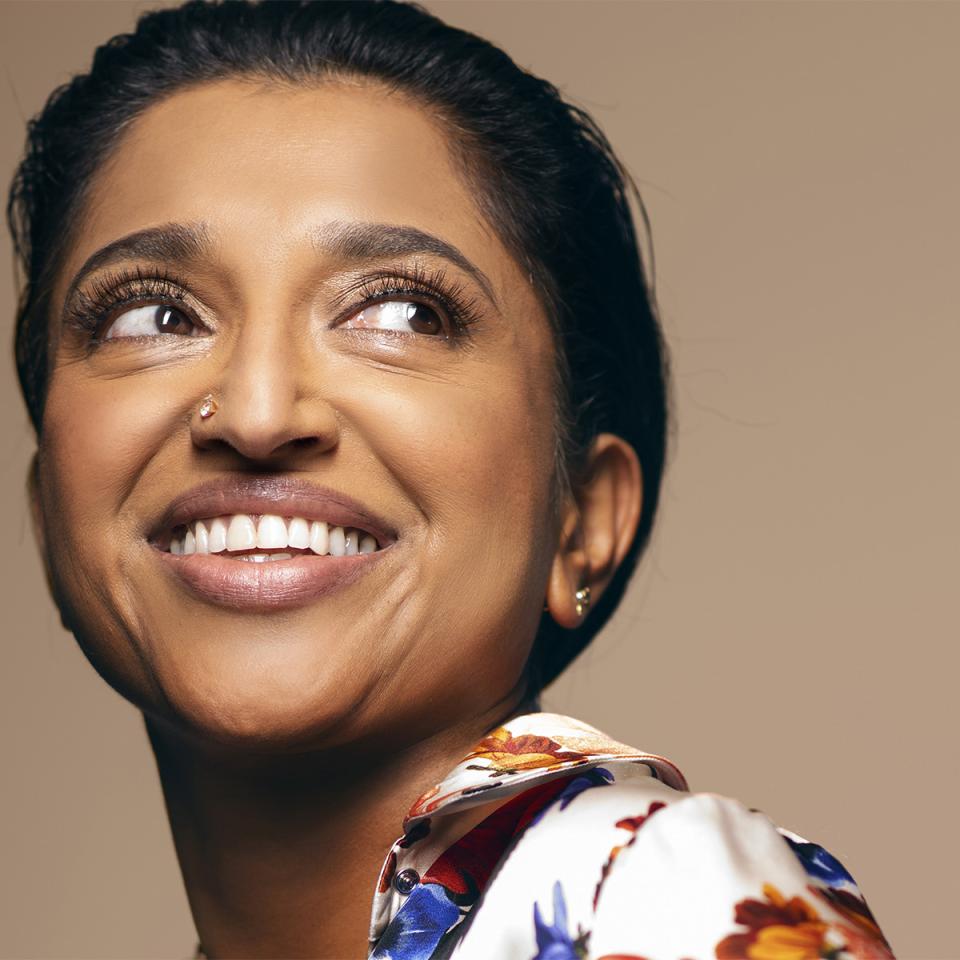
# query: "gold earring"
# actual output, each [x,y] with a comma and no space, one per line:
[582,596]
[208,408]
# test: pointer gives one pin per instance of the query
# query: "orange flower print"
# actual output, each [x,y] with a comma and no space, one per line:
[803,942]
[782,929]
[506,753]
[777,929]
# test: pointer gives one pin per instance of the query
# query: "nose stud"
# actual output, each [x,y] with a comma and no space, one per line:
[208,407]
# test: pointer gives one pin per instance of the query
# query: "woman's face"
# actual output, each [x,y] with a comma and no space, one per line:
[314,260]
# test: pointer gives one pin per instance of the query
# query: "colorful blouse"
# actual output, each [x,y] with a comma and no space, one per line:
[550,841]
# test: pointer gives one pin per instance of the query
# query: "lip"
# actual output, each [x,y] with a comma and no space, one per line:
[276,585]
[279,584]
[284,496]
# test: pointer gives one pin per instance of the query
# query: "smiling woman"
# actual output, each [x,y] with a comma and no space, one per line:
[351,411]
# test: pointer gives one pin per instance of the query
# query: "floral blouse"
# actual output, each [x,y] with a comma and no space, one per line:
[550,841]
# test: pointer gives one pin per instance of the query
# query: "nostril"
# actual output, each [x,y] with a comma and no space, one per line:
[264,424]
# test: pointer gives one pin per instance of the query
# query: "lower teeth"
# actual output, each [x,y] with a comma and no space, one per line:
[264,557]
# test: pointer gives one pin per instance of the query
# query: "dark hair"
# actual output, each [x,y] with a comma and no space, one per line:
[544,175]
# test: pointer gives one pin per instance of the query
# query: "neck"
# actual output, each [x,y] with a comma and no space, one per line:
[280,858]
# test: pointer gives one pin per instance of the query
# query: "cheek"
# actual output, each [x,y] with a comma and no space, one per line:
[475,453]
[98,437]
[475,456]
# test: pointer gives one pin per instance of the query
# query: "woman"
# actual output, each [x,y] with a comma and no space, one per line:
[350,404]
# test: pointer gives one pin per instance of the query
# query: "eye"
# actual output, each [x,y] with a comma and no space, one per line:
[402,315]
[149,321]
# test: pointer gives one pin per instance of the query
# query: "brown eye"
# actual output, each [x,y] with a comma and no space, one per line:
[150,321]
[403,315]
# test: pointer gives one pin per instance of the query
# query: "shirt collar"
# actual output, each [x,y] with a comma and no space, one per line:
[525,751]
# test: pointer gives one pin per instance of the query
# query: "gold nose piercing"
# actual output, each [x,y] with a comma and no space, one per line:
[208,407]
[582,597]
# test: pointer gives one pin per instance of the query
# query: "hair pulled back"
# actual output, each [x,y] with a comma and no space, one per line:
[543,174]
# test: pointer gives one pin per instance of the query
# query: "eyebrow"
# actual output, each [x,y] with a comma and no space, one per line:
[172,242]
[181,242]
[374,241]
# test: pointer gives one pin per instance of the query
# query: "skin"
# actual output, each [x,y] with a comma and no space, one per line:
[290,744]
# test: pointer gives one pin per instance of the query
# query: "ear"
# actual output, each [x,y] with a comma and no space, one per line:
[598,525]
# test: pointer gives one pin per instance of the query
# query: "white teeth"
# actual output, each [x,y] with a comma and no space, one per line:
[203,538]
[218,536]
[265,557]
[319,538]
[241,534]
[271,532]
[338,542]
[298,534]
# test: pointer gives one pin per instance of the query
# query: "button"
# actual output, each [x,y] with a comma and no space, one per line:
[406,880]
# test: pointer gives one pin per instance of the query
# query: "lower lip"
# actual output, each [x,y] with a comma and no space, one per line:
[273,585]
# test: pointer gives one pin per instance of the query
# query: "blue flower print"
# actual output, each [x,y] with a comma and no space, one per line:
[819,864]
[419,926]
[597,777]
[553,940]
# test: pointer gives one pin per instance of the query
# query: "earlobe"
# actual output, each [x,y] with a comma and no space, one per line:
[562,588]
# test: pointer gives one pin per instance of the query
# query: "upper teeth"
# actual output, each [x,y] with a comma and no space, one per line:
[242,532]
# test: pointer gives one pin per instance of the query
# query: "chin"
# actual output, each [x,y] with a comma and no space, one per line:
[248,719]
[247,693]
[282,696]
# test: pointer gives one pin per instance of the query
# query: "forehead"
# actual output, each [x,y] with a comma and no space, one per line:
[264,166]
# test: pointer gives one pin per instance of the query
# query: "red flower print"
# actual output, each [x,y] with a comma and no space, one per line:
[853,909]
[464,869]
[864,938]
[633,824]
[386,875]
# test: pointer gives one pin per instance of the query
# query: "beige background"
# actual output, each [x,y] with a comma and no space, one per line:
[791,639]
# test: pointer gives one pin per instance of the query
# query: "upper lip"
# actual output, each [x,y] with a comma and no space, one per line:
[282,496]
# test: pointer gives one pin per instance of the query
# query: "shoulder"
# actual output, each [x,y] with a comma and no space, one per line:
[621,864]
[735,883]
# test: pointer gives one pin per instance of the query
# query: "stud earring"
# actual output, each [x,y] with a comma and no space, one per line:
[208,407]
[582,597]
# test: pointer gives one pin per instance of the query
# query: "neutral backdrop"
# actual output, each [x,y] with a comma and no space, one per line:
[791,638]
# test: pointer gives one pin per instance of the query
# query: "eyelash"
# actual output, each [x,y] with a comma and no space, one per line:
[90,311]
[433,287]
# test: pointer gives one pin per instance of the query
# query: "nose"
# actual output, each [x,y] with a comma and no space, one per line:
[267,402]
